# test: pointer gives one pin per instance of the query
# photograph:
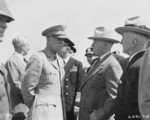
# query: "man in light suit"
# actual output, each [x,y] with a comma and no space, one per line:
[15,66]
[42,86]
[99,90]
[135,37]
[74,76]
[5,17]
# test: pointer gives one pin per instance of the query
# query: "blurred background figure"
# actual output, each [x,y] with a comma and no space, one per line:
[5,17]
[90,58]
[122,60]
[15,66]
[74,76]
[73,50]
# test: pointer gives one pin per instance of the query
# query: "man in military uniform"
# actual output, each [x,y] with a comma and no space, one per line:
[73,50]
[74,75]
[5,17]
[42,86]
[90,58]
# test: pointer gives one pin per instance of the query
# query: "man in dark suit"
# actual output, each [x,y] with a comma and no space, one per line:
[135,37]
[99,89]
[15,66]
[74,75]
[5,17]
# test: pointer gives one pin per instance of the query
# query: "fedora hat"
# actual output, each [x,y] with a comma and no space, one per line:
[56,31]
[101,33]
[134,24]
[4,10]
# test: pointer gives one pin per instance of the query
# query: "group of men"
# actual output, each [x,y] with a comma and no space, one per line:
[54,85]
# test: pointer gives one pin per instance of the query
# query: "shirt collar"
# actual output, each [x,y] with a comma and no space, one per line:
[19,56]
[67,58]
[133,56]
[101,57]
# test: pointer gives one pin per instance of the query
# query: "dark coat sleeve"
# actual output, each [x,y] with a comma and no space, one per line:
[80,77]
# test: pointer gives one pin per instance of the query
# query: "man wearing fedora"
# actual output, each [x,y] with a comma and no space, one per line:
[5,17]
[99,89]
[135,37]
[42,86]
[74,76]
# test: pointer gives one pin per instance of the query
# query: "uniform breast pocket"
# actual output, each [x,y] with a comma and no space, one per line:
[50,75]
[73,77]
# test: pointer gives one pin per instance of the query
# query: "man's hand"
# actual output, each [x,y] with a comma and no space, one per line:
[97,115]
[76,110]
[93,115]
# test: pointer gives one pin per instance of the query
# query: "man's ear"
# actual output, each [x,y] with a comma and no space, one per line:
[134,41]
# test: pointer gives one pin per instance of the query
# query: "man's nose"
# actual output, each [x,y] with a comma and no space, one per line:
[3,25]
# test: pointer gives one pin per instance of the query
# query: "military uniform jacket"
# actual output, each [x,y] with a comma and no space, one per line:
[99,90]
[4,93]
[127,98]
[41,87]
[74,76]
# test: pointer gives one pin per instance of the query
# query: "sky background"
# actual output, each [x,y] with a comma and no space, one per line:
[80,16]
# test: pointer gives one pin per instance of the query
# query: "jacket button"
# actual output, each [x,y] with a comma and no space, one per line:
[66,79]
[66,86]
[66,93]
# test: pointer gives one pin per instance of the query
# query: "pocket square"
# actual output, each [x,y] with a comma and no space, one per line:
[73,69]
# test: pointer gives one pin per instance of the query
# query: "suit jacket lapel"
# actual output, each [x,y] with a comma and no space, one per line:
[97,68]
[136,57]
[69,64]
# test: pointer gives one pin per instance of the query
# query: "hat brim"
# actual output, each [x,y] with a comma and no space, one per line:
[104,39]
[69,42]
[8,15]
[89,54]
[73,49]
[120,30]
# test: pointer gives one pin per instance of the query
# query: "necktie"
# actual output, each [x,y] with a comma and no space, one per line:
[64,62]
[25,60]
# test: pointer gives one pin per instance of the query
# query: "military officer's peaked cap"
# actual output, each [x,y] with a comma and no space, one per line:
[56,31]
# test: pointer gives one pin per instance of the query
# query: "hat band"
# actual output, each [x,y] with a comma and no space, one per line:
[138,26]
